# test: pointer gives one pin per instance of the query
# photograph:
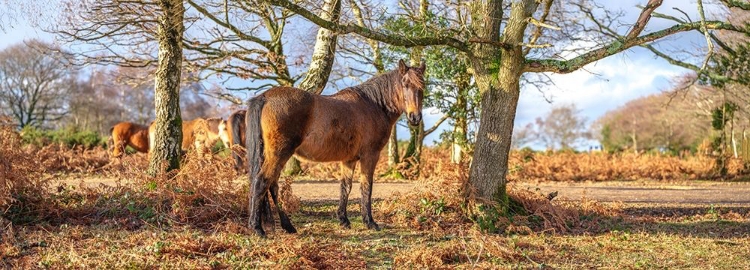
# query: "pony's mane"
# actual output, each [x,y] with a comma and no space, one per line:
[382,89]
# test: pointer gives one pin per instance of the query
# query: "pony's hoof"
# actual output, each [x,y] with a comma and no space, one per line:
[289,229]
[373,226]
[260,233]
[345,224]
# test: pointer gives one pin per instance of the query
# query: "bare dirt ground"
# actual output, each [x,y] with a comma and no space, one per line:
[694,192]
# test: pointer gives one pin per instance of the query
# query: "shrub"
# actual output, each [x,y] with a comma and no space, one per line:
[70,137]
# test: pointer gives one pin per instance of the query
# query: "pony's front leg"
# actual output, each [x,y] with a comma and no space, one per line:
[368,169]
[119,147]
[346,187]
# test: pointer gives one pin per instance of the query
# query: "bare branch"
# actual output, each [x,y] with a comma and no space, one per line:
[643,19]
[436,125]
[567,66]
[393,39]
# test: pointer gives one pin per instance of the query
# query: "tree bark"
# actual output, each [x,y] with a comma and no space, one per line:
[499,87]
[393,149]
[459,127]
[324,52]
[413,151]
[165,153]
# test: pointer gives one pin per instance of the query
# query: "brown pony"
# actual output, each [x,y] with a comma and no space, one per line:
[350,126]
[199,134]
[235,129]
[128,133]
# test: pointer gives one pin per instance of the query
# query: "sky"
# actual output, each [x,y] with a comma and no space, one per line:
[597,88]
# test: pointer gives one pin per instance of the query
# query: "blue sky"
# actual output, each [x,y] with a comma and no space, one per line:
[599,87]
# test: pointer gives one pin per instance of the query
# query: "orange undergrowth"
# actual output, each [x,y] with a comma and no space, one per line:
[569,166]
[447,203]
[22,178]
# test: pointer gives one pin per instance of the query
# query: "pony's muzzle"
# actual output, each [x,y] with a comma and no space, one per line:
[414,118]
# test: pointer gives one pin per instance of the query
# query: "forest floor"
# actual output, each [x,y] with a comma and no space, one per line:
[691,224]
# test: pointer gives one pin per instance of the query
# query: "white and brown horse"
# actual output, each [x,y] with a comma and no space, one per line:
[199,134]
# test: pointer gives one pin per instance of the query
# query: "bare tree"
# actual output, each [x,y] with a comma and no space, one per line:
[523,136]
[562,127]
[35,79]
[13,12]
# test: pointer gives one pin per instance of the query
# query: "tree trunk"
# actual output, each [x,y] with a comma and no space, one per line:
[393,149]
[165,153]
[459,140]
[413,151]
[460,125]
[634,136]
[731,133]
[324,52]
[320,68]
[498,82]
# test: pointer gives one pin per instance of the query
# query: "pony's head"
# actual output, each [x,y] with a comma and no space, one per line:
[224,133]
[412,89]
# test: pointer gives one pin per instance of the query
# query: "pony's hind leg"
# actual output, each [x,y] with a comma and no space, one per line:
[260,208]
[264,182]
[285,223]
[258,199]
[368,169]
[346,188]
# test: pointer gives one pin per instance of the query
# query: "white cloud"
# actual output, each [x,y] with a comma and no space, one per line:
[599,87]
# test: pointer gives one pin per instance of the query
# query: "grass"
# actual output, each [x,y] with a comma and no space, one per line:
[647,238]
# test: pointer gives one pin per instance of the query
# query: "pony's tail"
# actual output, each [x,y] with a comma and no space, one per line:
[254,139]
[255,159]
[236,120]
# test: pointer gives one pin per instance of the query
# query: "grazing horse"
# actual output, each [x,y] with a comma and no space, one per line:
[128,133]
[213,132]
[235,128]
[198,133]
[350,126]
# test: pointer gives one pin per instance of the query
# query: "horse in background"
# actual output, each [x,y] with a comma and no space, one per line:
[129,134]
[214,130]
[235,129]
[351,126]
[199,134]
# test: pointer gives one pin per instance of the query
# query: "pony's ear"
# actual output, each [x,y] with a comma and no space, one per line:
[422,67]
[402,68]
